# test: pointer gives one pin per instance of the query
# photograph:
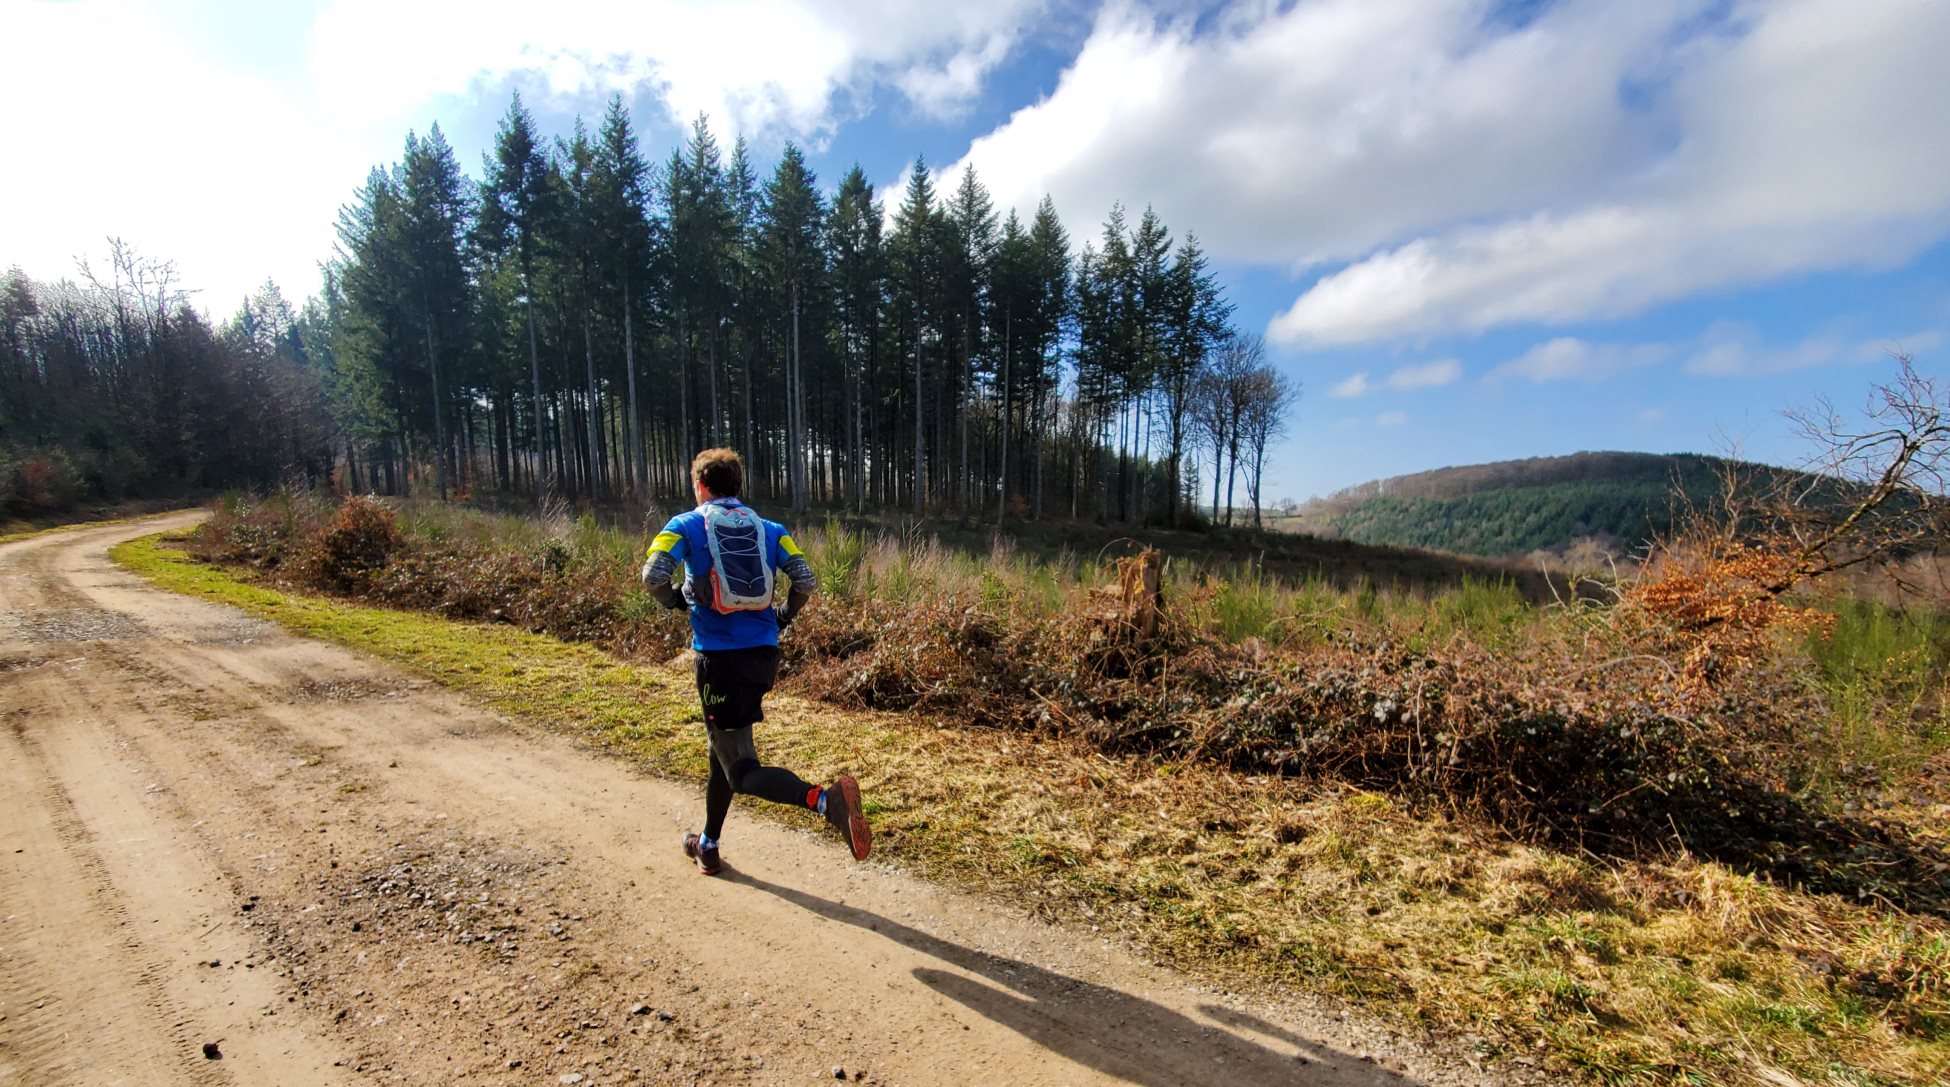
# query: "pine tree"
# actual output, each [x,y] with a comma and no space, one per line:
[859,273]
[581,246]
[969,257]
[702,244]
[916,263]
[621,188]
[748,301]
[517,205]
[1195,320]
[1052,300]
[793,222]
[437,215]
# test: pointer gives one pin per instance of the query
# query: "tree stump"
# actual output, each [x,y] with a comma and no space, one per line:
[1141,597]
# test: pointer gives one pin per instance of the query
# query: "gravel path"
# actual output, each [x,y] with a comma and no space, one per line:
[233,856]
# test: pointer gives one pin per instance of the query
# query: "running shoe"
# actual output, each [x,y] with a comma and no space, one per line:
[707,859]
[843,811]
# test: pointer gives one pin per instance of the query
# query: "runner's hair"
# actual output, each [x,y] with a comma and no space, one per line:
[722,471]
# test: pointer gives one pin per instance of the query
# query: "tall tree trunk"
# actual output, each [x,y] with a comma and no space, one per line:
[472,451]
[751,399]
[539,455]
[1176,426]
[1218,473]
[1039,433]
[1232,460]
[857,474]
[796,416]
[564,445]
[1102,489]
[1128,465]
[1076,465]
[716,437]
[1002,473]
[920,459]
[439,425]
[594,411]
[684,437]
[966,396]
[633,462]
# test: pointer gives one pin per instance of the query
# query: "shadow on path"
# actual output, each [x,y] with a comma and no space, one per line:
[1116,1033]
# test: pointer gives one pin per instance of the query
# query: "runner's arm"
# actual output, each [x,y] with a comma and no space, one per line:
[804,584]
[660,565]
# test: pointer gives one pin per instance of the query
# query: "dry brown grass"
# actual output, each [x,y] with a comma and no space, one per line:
[1666,970]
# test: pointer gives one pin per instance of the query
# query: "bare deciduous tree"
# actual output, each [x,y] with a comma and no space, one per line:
[1897,457]
[1266,398]
[1873,493]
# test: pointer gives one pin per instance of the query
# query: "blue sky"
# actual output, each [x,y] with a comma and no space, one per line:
[1470,229]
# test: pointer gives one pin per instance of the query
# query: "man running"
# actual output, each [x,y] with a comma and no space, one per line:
[729,556]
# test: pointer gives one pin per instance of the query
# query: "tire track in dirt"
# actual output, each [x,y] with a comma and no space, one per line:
[119,898]
[426,892]
[53,985]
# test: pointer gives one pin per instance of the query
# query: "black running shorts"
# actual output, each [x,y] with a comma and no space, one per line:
[731,683]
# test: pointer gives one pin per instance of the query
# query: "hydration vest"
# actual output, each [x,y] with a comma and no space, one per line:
[741,578]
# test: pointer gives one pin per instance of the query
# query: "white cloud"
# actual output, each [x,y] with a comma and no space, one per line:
[125,128]
[1649,416]
[759,67]
[1727,349]
[1354,385]
[1568,358]
[1391,418]
[1810,139]
[1737,350]
[1429,375]
[199,138]
[1293,133]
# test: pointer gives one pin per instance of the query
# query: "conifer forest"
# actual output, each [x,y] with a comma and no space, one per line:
[576,320]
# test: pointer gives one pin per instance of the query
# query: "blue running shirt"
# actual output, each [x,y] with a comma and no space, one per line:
[683,539]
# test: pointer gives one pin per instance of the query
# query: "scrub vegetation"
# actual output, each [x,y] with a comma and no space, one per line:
[1693,831]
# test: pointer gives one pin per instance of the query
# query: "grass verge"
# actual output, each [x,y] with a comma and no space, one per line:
[1678,971]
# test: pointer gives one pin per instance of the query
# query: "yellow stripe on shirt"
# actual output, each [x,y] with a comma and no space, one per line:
[791,549]
[664,542]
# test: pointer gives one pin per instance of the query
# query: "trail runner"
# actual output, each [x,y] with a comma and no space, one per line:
[730,557]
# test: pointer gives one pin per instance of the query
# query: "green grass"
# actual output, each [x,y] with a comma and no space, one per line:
[1883,672]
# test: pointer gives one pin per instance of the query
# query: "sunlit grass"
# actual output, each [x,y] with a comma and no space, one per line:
[1883,671]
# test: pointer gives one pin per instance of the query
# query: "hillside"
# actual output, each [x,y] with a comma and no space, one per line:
[1512,508]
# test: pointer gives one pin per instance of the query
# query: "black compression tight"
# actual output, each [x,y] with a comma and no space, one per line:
[735,769]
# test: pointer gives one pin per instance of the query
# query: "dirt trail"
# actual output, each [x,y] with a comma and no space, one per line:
[215,833]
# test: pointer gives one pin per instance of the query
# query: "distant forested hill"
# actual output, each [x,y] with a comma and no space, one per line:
[1519,506]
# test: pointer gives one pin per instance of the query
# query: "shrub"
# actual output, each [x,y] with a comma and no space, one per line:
[353,548]
[45,481]
[260,533]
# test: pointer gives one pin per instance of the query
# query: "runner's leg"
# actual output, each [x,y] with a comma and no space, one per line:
[734,751]
[717,794]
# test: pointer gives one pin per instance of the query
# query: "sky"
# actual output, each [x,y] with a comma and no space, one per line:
[1470,230]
